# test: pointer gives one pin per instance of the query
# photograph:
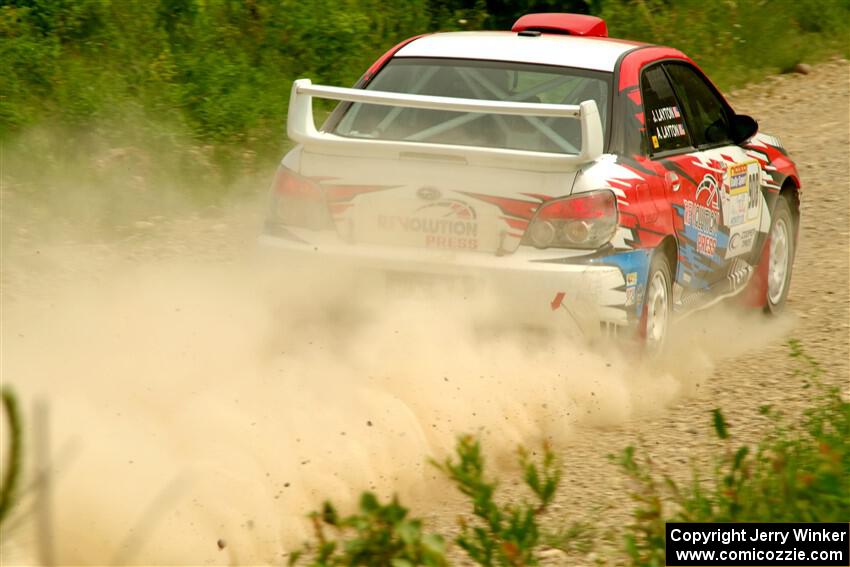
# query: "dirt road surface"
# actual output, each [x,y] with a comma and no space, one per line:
[161,358]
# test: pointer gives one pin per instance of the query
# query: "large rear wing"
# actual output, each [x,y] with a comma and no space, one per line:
[301,127]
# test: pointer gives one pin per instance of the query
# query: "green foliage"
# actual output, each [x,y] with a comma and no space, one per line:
[798,472]
[194,91]
[9,488]
[380,535]
[507,534]
[173,79]
[738,41]
[721,428]
[383,535]
[222,69]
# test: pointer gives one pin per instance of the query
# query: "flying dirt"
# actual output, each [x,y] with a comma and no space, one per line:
[197,400]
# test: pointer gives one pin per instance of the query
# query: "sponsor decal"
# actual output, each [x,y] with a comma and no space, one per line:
[703,214]
[428,193]
[674,127]
[738,179]
[741,198]
[754,180]
[708,186]
[701,218]
[666,113]
[436,241]
[667,131]
[740,242]
[631,278]
[444,224]
[631,295]
[735,211]
[706,245]
[448,227]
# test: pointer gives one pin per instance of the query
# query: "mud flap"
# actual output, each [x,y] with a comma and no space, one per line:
[755,294]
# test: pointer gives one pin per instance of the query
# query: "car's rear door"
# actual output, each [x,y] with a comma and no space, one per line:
[713,185]
[743,210]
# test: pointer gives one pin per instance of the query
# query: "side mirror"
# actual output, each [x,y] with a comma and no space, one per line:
[743,128]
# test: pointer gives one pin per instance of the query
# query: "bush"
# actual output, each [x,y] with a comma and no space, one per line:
[175,78]
[380,535]
[383,535]
[798,472]
[506,534]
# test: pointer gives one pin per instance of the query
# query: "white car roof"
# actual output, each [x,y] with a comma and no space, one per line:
[546,49]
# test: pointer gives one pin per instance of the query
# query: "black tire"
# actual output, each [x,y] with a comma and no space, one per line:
[657,304]
[782,246]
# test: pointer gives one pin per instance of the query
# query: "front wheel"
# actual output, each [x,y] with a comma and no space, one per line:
[658,304]
[780,257]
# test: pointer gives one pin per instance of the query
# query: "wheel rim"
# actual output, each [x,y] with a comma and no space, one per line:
[657,306]
[777,272]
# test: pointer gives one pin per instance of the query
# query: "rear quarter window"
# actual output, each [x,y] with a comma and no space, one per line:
[665,123]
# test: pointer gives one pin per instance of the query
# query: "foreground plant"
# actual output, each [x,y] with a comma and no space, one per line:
[378,535]
[798,472]
[506,534]
[11,475]
[383,535]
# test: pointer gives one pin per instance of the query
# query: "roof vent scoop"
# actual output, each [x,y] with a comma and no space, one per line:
[560,23]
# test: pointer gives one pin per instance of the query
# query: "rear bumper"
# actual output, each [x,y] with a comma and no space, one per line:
[528,289]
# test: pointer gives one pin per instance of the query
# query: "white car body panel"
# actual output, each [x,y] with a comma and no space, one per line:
[547,49]
[395,214]
[569,298]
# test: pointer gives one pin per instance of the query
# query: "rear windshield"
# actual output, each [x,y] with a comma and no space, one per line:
[484,80]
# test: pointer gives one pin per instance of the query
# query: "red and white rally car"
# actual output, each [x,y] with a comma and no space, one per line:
[594,182]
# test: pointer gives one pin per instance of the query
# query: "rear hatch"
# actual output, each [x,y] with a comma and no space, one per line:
[431,203]
[448,153]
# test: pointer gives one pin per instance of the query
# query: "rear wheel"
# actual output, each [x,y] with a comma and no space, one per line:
[780,256]
[657,305]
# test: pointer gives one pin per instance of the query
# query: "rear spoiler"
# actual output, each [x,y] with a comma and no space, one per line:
[301,127]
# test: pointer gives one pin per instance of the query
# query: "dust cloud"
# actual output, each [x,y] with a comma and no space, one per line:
[194,400]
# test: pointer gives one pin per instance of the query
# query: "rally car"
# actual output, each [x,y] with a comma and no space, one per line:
[595,183]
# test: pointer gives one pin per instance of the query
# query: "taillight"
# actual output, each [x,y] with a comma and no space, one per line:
[586,220]
[298,201]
